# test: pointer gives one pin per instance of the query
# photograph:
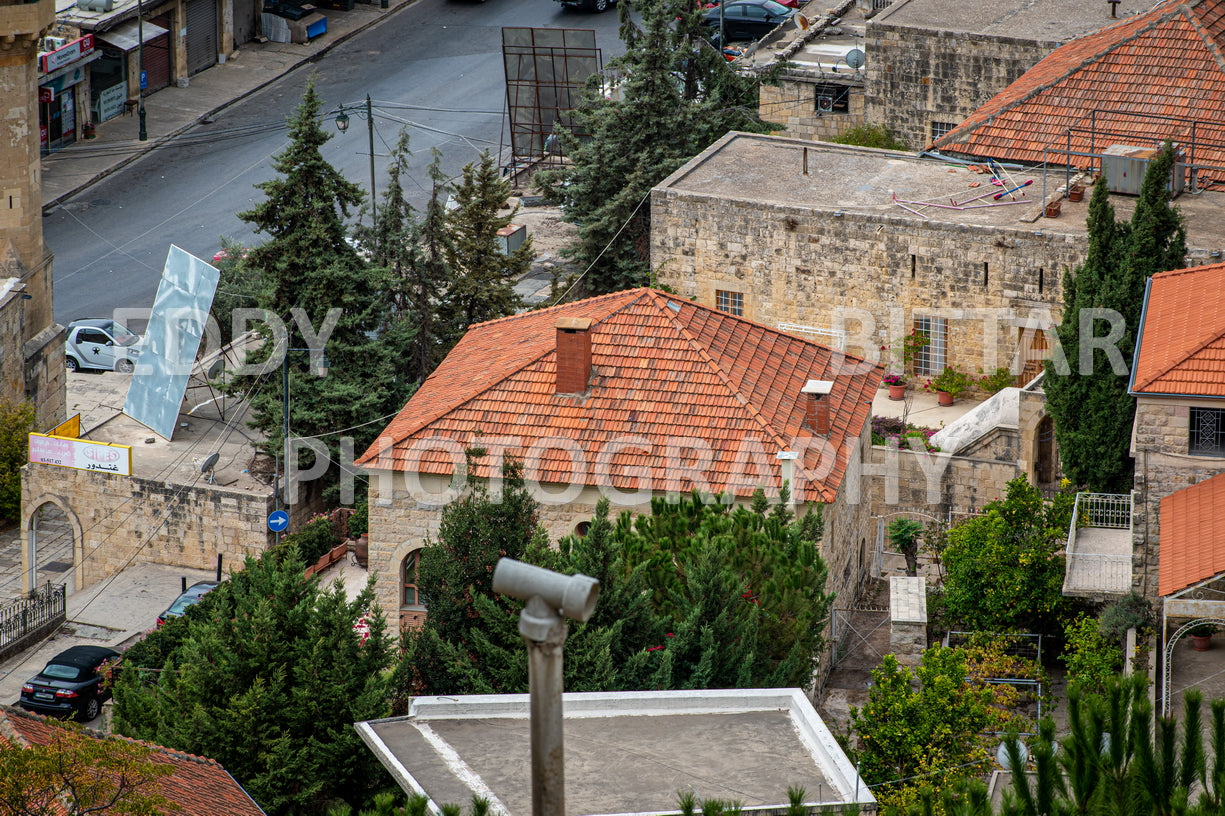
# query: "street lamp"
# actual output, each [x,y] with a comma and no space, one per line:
[342,124]
[321,369]
[140,79]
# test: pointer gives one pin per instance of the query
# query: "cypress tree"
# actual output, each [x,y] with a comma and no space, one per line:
[1092,410]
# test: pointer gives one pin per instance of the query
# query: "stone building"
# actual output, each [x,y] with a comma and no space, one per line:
[1178,438]
[932,63]
[31,345]
[863,247]
[630,395]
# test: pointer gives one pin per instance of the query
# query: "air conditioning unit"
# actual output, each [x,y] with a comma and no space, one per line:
[95,5]
[1124,167]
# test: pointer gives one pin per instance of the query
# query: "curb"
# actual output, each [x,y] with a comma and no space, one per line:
[49,206]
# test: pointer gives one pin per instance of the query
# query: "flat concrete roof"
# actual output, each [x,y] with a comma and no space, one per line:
[201,430]
[625,752]
[1053,21]
[768,170]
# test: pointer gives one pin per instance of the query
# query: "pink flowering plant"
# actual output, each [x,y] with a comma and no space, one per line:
[952,381]
[894,379]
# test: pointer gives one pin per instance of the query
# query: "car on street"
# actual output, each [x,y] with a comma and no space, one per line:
[100,344]
[71,684]
[596,6]
[189,598]
[747,20]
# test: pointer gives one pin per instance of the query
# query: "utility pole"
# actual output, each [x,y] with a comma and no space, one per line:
[140,79]
[370,128]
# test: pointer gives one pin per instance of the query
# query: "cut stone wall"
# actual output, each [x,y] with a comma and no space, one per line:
[918,76]
[961,484]
[792,103]
[121,520]
[870,272]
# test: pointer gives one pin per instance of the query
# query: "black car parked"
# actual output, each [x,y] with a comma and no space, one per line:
[747,20]
[71,684]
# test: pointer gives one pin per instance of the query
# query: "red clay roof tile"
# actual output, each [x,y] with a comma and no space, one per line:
[1167,62]
[664,368]
[1181,349]
[1192,535]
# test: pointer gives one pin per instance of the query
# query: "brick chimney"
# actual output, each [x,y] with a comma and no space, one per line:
[816,406]
[573,354]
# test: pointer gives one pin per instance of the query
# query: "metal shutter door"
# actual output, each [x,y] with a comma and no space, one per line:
[246,21]
[157,57]
[201,35]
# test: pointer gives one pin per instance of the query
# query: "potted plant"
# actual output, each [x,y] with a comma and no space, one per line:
[1076,192]
[1201,636]
[950,384]
[897,386]
[997,380]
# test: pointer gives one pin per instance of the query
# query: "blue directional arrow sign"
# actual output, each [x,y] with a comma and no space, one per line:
[278,520]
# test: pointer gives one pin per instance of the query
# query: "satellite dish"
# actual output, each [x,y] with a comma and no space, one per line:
[801,22]
[855,59]
[214,370]
[1001,755]
[208,464]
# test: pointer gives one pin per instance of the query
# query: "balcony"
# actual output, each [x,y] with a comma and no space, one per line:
[1098,563]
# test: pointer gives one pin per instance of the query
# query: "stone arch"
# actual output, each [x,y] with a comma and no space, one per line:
[1168,667]
[36,553]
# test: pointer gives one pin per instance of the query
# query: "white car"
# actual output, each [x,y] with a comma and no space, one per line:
[100,344]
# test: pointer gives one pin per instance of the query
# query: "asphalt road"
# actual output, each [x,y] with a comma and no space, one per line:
[436,64]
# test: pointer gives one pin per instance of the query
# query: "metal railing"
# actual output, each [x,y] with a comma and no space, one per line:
[828,337]
[1108,510]
[1096,572]
[29,619]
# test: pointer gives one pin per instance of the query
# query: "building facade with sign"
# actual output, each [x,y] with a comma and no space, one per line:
[63,88]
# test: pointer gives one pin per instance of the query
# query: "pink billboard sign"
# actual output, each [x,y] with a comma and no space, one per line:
[81,454]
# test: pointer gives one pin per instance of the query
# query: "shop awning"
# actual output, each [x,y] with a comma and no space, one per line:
[127,36]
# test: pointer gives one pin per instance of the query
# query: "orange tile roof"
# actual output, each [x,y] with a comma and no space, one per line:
[1165,62]
[1181,349]
[665,368]
[198,785]
[1192,535]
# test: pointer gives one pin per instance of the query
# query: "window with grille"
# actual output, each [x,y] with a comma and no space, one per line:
[730,302]
[832,98]
[932,358]
[1207,432]
[408,577]
[939,129]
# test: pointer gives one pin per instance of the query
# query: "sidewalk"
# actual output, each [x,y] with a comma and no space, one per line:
[173,110]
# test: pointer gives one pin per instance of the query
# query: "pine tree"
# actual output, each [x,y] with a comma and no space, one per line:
[307,267]
[267,676]
[1092,410]
[678,96]
[483,277]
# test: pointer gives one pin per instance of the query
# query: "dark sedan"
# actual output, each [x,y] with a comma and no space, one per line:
[746,20]
[189,598]
[71,685]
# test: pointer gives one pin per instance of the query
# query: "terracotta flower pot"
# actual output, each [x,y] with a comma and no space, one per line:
[1052,209]
[1201,643]
[944,397]
[1076,193]
[897,392]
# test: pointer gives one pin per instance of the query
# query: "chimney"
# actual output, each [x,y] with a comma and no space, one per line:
[573,354]
[816,407]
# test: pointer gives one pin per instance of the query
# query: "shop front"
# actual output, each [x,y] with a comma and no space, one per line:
[63,92]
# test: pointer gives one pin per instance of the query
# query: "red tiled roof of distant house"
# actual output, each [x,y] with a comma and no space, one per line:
[1192,535]
[663,368]
[198,785]
[1167,62]
[1182,338]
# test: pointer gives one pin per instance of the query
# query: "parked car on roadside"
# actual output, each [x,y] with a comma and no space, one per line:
[71,684]
[596,6]
[100,344]
[189,598]
[747,20]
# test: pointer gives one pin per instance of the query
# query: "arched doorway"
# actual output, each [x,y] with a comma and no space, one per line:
[51,543]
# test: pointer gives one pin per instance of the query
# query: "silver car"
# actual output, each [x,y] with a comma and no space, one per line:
[101,344]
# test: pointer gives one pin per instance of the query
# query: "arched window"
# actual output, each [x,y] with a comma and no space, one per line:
[408,579]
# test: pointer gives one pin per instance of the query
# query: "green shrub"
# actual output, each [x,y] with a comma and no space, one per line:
[1132,611]
[1091,658]
[313,540]
[870,136]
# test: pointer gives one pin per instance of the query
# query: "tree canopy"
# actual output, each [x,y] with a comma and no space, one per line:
[1092,410]
[676,97]
[266,675]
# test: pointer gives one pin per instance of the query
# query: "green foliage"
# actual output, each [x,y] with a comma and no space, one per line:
[76,773]
[305,269]
[315,539]
[869,135]
[951,380]
[1092,410]
[1091,658]
[16,422]
[694,595]
[267,676]
[359,522]
[904,535]
[678,96]
[935,721]
[1133,610]
[1004,568]
[997,380]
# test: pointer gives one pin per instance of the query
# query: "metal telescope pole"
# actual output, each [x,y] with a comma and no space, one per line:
[544,632]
